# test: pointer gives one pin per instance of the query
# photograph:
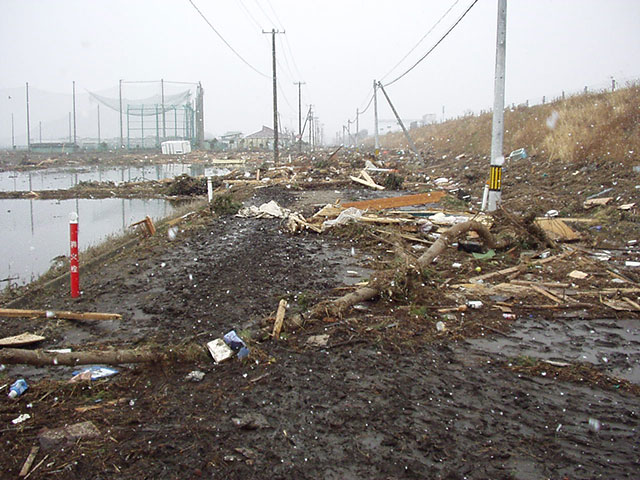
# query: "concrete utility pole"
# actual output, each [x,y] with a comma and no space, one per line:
[164,125]
[406,134]
[275,93]
[121,132]
[28,121]
[375,115]
[75,138]
[357,125]
[497,132]
[299,115]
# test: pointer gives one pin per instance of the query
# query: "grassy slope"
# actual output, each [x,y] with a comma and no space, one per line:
[589,127]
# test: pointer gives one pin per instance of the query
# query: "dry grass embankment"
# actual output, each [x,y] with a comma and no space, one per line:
[592,126]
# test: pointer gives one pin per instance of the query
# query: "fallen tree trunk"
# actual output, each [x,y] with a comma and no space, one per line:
[450,235]
[51,314]
[110,357]
[381,282]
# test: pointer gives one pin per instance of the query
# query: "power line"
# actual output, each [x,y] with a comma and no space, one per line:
[434,47]
[368,104]
[421,40]
[248,13]
[225,42]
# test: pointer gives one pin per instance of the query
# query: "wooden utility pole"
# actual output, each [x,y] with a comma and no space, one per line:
[497,132]
[299,114]
[275,93]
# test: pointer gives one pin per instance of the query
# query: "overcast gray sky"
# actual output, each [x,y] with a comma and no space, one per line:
[336,47]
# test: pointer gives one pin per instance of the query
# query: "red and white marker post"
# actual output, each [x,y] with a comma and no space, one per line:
[73,255]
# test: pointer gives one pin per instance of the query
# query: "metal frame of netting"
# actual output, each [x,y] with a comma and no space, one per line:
[148,121]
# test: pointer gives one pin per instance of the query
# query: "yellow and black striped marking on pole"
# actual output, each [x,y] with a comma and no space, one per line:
[495,178]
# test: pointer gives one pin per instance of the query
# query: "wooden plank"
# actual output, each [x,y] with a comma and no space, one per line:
[395,202]
[20,313]
[366,183]
[22,339]
[557,229]
[506,271]
[29,461]
[277,326]
[543,292]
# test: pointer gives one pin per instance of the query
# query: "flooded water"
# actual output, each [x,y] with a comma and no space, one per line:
[64,178]
[34,232]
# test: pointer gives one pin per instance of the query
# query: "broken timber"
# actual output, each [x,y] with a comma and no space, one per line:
[14,312]
[394,202]
[277,326]
[114,357]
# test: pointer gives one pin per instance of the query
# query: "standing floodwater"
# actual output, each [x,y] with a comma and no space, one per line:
[64,178]
[34,232]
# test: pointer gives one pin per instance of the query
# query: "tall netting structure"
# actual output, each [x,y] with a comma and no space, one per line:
[151,112]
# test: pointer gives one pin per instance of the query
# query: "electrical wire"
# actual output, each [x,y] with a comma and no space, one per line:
[434,47]
[225,42]
[368,105]
[248,13]
[420,41]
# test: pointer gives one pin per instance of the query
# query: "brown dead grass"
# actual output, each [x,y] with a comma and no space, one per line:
[589,127]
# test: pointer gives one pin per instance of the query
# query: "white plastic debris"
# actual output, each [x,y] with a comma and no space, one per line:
[631,263]
[349,215]
[195,376]
[552,213]
[21,418]
[474,304]
[440,326]
[552,120]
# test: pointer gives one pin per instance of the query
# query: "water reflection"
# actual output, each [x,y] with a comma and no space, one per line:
[33,232]
[64,178]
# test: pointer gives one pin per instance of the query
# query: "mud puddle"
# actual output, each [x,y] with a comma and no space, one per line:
[608,343]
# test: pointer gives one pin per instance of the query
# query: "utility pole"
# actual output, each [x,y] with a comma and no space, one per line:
[406,134]
[349,132]
[357,125]
[275,93]
[164,125]
[375,115]
[310,119]
[75,138]
[299,114]
[121,134]
[70,127]
[28,121]
[497,131]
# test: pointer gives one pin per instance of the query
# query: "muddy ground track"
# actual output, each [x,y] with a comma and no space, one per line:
[384,405]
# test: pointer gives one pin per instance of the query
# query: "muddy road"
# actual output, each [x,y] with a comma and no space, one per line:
[387,396]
